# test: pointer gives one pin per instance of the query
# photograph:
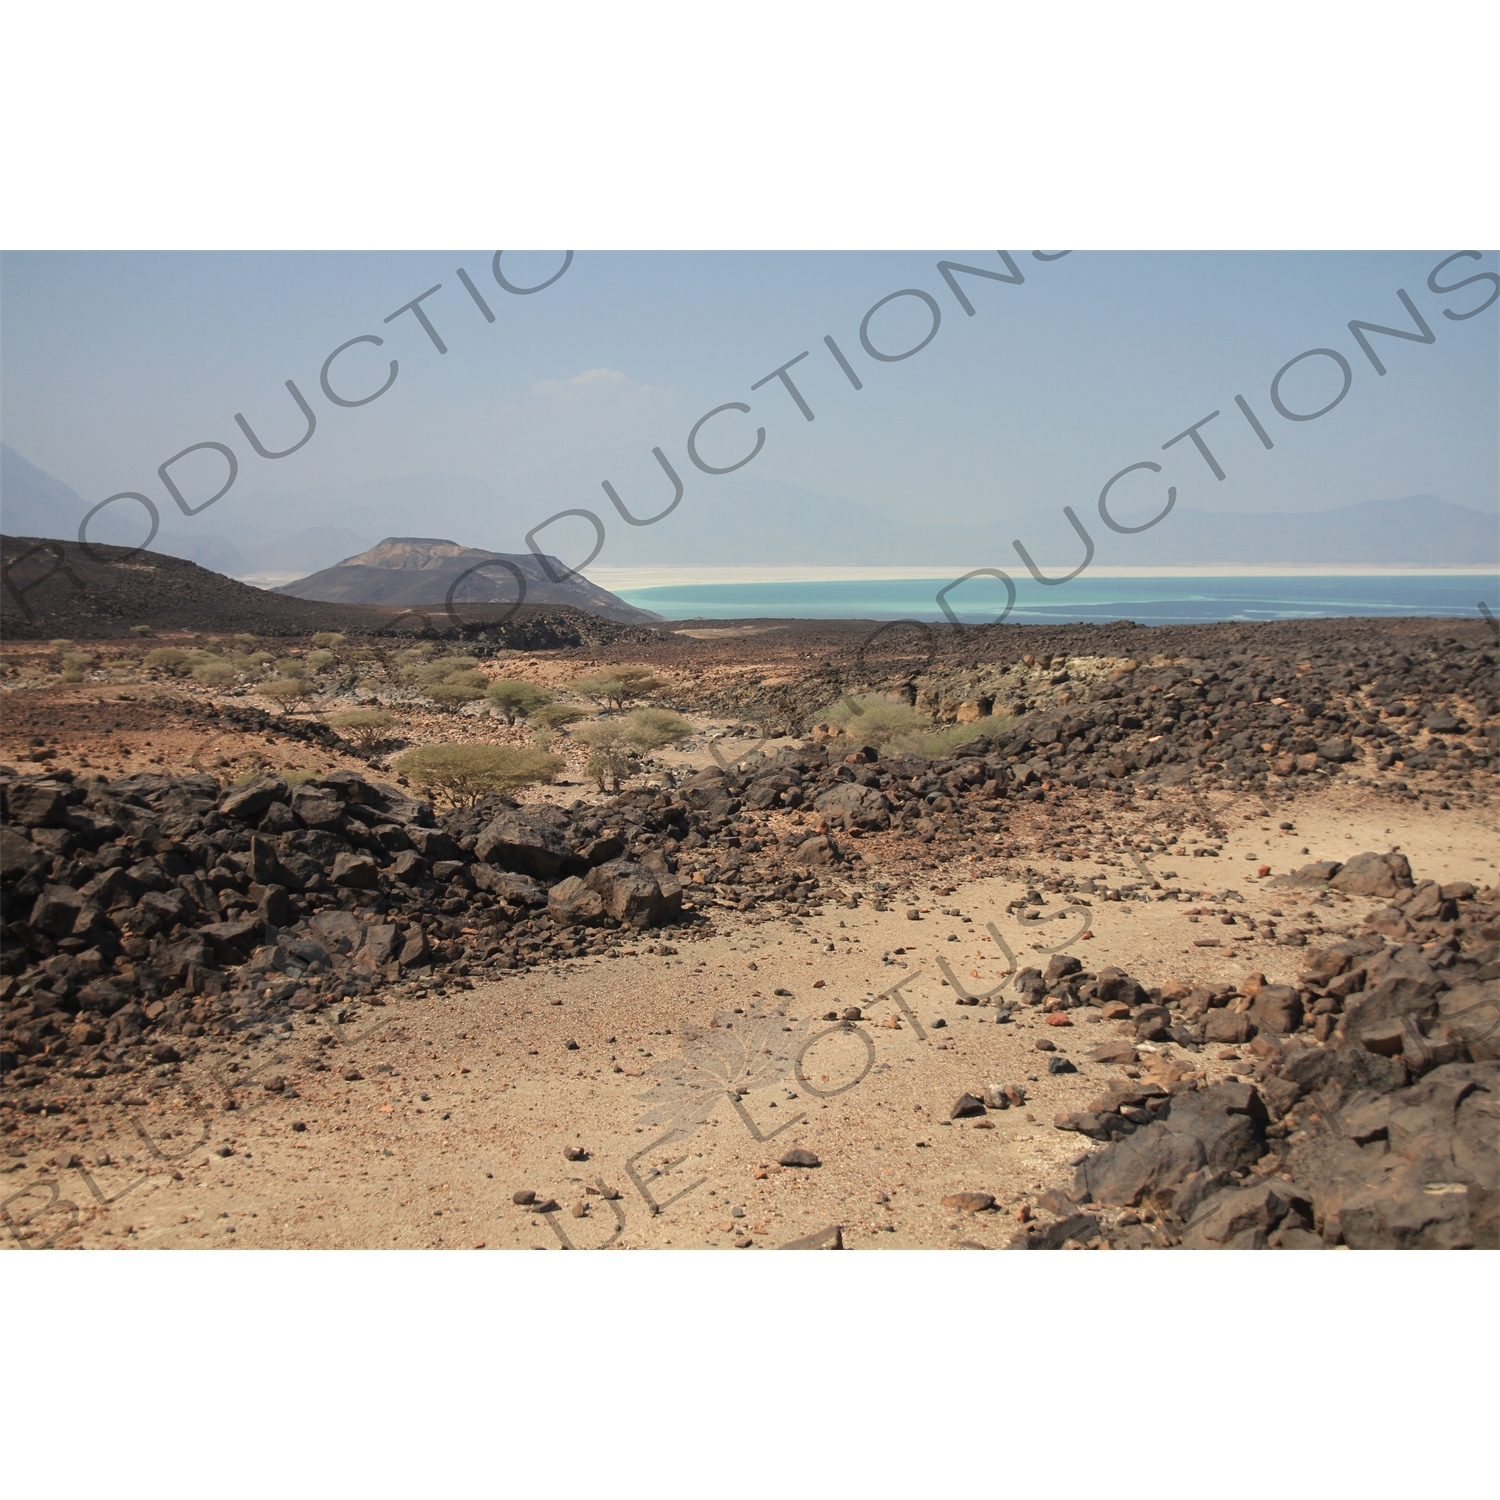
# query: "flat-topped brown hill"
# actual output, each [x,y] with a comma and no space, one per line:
[53,588]
[418,572]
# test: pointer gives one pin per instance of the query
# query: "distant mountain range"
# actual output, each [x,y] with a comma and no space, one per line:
[417,572]
[33,503]
[265,537]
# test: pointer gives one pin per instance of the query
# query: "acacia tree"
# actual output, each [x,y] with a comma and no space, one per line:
[465,774]
[363,727]
[619,685]
[517,700]
[616,746]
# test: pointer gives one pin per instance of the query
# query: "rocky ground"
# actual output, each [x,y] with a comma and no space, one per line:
[223,999]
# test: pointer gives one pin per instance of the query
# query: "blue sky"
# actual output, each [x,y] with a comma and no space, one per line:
[112,362]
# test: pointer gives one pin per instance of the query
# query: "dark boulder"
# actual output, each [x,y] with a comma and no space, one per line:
[513,889]
[1373,875]
[1241,1218]
[570,903]
[357,871]
[635,895]
[1277,1008]
[1147,1164]
[516,842]
[247,803]
[18,855]
[35,804]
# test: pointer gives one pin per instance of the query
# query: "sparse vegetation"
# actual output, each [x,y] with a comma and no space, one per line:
[169,659]
[517,700]
[328,639]
[288,692]
[214,673]
[652,728]
[140,630]
[898,729]
[320,661]
[245,642]
[616,745]
[558,715]
[364,728]
[466,773]
[619,686]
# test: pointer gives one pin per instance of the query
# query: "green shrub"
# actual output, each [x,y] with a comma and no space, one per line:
[245,641]
[79,661]
[609,765]
[896,728]
[558,715]
[287,691]
[291,666]
[320,661]
[140,630]
[619,685]
[328,638]
[170,660]
[651,728]
[517,700]
[61,644]
[214,673]
[466,773]
[364,727]
[454,694]
[248,667]
[616,745]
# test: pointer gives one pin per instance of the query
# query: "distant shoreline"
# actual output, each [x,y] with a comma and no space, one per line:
[688,576]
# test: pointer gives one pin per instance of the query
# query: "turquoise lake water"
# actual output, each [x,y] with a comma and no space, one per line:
[1147,601]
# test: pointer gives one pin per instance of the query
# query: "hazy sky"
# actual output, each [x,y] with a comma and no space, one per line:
[112,363]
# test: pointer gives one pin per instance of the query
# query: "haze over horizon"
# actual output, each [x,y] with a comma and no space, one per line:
[113,363]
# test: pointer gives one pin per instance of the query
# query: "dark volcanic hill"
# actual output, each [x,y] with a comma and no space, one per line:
[415,572]
[54,588]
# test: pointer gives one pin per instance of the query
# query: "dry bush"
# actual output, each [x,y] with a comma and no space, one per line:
[616,745]
[363,727]
[214,673]
[898,729]
[170,660]
[329,639]
[466,773]
[286,691]
[651,728]
[454,694]
[609,765]
[619,685]
[559,715]
[517,700]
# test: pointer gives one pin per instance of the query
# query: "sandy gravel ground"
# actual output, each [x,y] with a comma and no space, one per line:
[466,1096]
